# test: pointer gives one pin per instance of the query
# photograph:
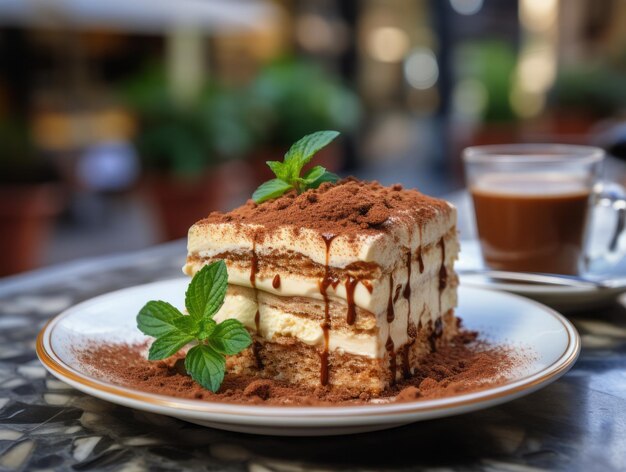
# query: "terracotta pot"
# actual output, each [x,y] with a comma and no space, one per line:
[27,212]
[572,122]
[331,157]
[180,202]
[495,133]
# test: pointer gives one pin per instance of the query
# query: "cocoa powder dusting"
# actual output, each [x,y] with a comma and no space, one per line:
[348,207]
[464,365]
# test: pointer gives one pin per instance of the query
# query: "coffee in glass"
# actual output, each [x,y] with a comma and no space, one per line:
[532,204]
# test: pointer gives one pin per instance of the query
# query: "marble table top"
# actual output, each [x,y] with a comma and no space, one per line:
[577,423]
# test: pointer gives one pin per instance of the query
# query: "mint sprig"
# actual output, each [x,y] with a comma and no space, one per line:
[205,362]
[288,172]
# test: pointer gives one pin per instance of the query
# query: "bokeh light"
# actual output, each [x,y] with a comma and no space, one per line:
[420,69]
[469,98]
[466,7]
[318,34]
[538,15]
[525,103]
[537,70]
[387,44]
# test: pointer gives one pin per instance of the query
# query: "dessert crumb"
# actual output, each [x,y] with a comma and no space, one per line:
[408,394]
[428,384]
[260,388]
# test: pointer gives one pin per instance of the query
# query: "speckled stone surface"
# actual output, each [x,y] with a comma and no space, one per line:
[578,423]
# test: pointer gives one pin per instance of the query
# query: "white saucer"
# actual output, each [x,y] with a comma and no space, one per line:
[500,317]
[561,297]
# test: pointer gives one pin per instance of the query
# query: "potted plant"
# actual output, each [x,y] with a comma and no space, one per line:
[29,199]
[182,147]
[492,64]
[583,95]
[290,99]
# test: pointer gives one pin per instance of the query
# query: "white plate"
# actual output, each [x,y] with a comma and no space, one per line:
[499,316]
[561,297]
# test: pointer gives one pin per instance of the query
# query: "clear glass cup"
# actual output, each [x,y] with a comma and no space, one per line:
[533,204]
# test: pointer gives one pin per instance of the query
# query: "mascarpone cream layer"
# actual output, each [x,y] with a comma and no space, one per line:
[292,285]
[242,304]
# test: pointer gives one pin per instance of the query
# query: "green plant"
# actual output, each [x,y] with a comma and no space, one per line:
[19,161]
[492,63]
[593,89]
[290,99]
[205,362]
[185,139]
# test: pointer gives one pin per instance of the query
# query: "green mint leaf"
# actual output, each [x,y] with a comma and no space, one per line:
[206,366]
[206,329]
[325,177]
[288,172]
[206,292]
[293,169]
[187,325]
[270,189]
[313,174]
[157,318]
[168,345]
[280,169]
[230,337]
[205,361]
[303,150]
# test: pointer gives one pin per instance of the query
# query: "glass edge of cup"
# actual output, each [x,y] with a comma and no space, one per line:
[489,153]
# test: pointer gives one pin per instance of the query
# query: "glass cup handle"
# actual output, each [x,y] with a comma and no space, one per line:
[612,195]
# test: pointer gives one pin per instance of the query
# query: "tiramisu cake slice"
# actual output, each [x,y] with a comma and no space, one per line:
[346,286]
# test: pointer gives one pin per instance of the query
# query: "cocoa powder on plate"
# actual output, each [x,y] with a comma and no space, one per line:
[464,365]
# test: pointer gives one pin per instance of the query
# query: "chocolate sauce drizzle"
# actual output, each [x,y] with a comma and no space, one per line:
[323,285]
[257,319]
[413,336]
[407,288]
[420,260]
[406,349]
[276,281]
[393,365]
[438,331]
[406,371]
[443,283]
[254,269]
[411,333]
[389,344]
[436,334]
[256,351]
[397,293]
[350,286]
[443,272]
[390,312]
[254,265]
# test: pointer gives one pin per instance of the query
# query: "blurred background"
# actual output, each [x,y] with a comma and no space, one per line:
[124,121]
